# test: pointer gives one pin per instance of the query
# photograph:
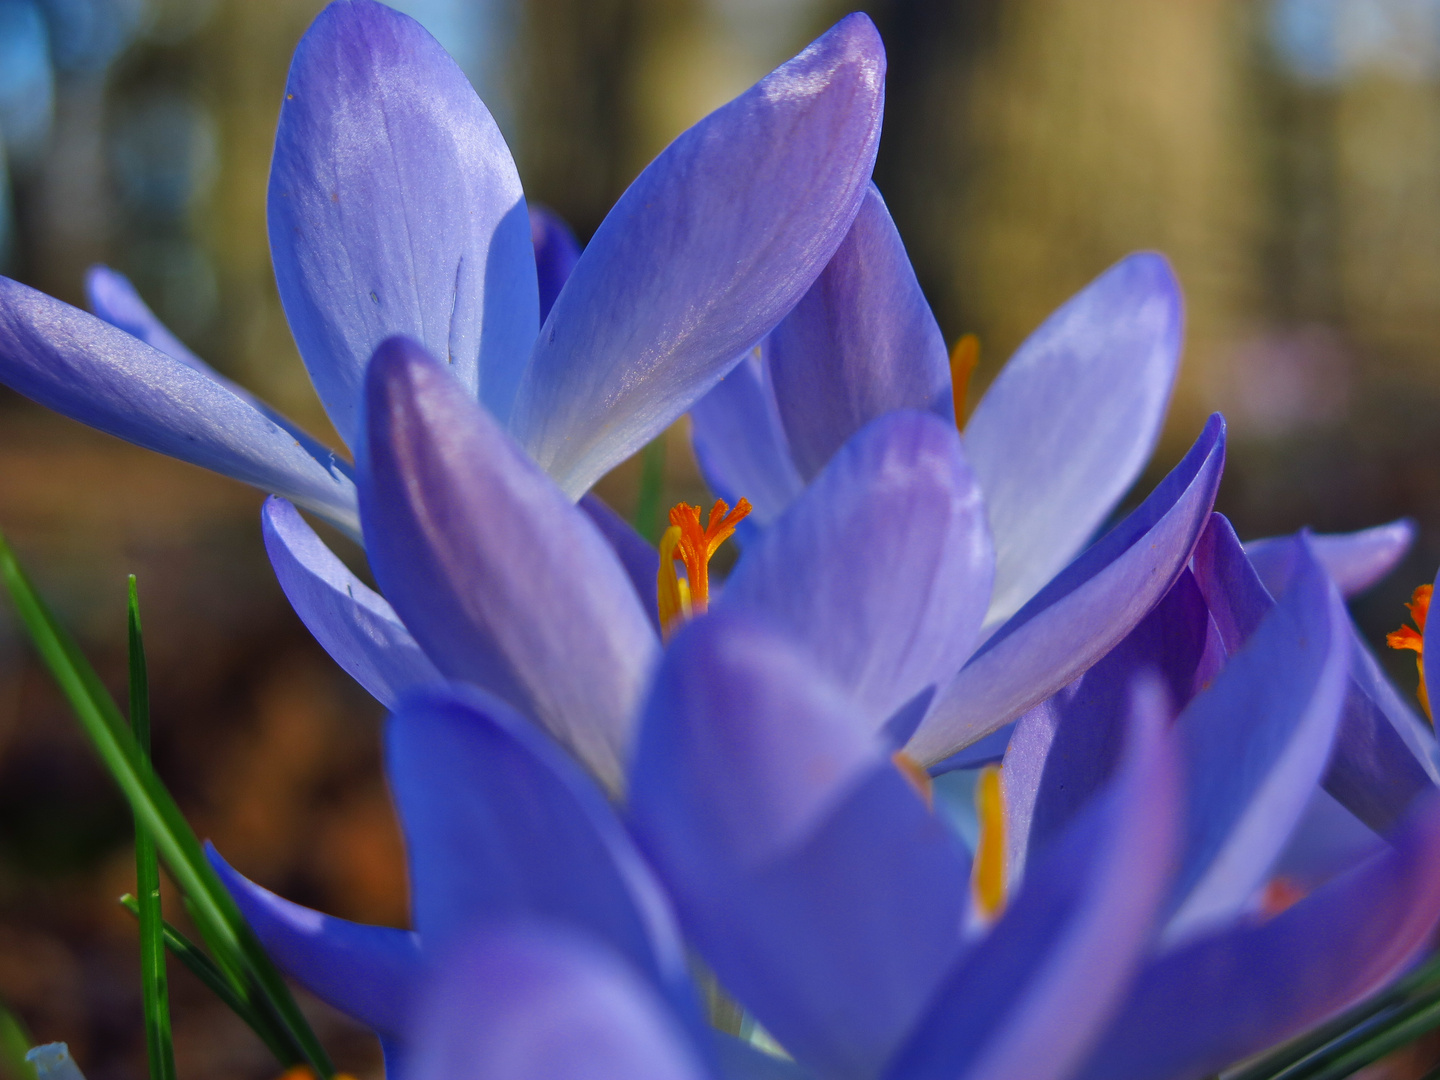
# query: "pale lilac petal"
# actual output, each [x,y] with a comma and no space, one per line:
[1083,613]
[806,869]
[1066,427]
[352,622]
[882,567]
[1256,745]
[861,343]
[535,1001]
[93,372]
[1034,995]
[503,582]
[370,973]
[704,253]
[1224,997]
[556,253]
[1384,755]
[1356,560]
[395,208]
[740,443]
[636,554]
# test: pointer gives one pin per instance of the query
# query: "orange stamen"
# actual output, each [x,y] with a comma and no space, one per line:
[304,1072]
[1414,639]
[963,359]
[1279,893]
[693,545]
[987,872]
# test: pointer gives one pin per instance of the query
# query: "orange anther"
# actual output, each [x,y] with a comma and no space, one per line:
[987,872]
[1414,639]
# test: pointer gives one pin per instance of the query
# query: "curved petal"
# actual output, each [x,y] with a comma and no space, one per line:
[1224,997]
[1084,612]
[710,246]
[1256,745]
[556,253]
[1034,995]
[531,1001]
[740,443]
[1384,755]
[1065,750]
[499,824]
[115,300]
[806,869]
[502,581]
[102,376]
[370,973]
[862,342]
[882,566]
[636,554]
[352,622]
[1070,421]
[395,208]
[1355,560]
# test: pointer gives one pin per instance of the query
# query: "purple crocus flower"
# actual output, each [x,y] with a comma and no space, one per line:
[395,208]
[811,874]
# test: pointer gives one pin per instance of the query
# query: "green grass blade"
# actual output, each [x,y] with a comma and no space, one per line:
[159,1045]
[649,506]
[14,1045]
[205,969]
[235,947]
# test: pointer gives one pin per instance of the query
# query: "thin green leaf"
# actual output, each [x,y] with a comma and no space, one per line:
[14,1045]
[649,506]
[159,1044]
[234,946]
[205,969]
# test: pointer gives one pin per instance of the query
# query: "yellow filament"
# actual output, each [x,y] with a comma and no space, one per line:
[672,591]
[987,873]
[963,359]
[915,773]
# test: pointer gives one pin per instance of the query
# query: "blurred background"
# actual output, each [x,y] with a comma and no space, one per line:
[1284,153]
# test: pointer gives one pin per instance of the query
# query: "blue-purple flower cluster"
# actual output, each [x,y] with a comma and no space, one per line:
[595,806]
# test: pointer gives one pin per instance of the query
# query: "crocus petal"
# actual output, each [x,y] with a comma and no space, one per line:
[882,566]
[115,300]
[1084,612]
[1384,755]
[370,973]
[1033,996]
[499,824]
[1327,841]
[1067,748]
[862,342]
[556,252]
[806,869]
[704,253]
[502,581]
[534,1002]
[102,376]
[636,554]
[738,1060]
[353,623]
[1229,995]
[1355,560]
[395,208]
[740,443]
[1256,745]
[1070,421]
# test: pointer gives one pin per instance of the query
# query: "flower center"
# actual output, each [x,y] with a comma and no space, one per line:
[987,872]
[1408,638]
[687,542]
